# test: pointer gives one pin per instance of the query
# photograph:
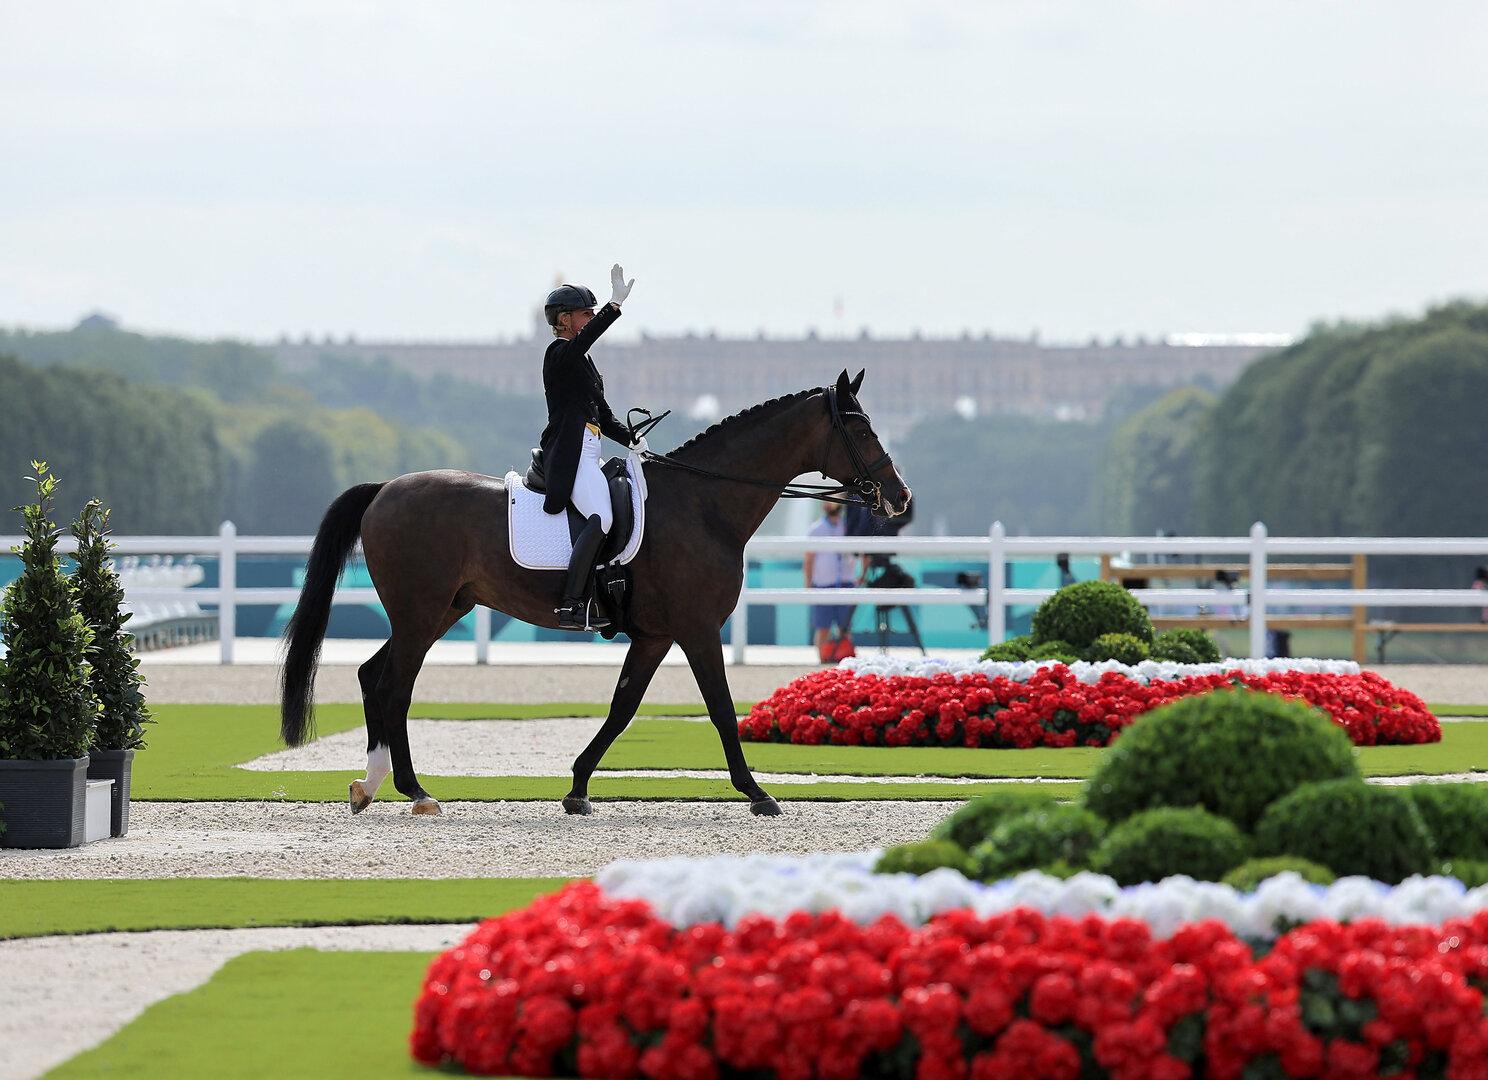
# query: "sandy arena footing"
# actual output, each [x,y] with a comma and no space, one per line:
[470,839]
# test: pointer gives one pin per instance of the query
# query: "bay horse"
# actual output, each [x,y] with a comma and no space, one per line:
[436,545]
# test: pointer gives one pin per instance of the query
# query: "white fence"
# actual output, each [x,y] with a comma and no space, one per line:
[996,548]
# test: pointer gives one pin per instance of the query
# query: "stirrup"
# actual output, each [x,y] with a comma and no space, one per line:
[580,615]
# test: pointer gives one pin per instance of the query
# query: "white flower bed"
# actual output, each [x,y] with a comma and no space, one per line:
[724,889]
[1144,672]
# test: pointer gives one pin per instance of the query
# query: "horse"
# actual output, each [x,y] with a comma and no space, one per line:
[436,544]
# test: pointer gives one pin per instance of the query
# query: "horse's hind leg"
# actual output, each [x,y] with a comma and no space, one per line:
[379,758]
[405,658]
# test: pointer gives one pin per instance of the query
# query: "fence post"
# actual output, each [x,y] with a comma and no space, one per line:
[227,587]
[482,634]
[739,631]
[996,570]
[1258,591]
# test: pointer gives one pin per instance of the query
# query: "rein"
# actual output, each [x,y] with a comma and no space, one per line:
[853,493]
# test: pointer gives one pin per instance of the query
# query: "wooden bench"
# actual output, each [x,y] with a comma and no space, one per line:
[1388,630]
[1355,572]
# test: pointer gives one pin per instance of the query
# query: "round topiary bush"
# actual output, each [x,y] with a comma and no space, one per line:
[1184,646]
[1456,815]
[972,823]
[1230,751]
[1123,648]
[1171,840]
[1082,612]
[1054,834]
[1351,828]
[1062,651]
[922,857]
[1247,877]
[1012,651]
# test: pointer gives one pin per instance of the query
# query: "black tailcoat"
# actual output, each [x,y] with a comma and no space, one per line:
[575,394]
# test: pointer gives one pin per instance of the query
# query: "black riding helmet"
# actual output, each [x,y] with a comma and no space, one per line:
[566,298]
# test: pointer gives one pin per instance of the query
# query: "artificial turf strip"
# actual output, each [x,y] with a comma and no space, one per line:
[35,908]
[294,1014]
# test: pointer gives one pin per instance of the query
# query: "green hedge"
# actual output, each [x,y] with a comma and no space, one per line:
[1054,834]
[1456,815]
[1185,646]
[1082,612]
[1231,751]
[1350,827]
[1248,876]
[922,857]
[1171,840]
[972,823]
[1125,649]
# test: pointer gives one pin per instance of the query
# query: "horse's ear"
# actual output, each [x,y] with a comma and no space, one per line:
[858,381]
[844,388]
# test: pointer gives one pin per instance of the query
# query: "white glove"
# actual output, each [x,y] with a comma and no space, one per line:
[619,287]
[639,446]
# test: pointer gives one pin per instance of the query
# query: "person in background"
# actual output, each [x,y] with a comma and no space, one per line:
[1066,576]
[830,570]
[1480,581]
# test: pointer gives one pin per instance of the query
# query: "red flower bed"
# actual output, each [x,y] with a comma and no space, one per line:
[1053,708]
[580,983]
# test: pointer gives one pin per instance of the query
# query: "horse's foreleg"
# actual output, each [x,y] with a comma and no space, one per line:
[641,662]
[705,654]
[379,758]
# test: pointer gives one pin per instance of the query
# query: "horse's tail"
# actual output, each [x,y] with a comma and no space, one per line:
[334,542]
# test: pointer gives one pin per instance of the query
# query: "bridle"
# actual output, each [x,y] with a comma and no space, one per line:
[856,492]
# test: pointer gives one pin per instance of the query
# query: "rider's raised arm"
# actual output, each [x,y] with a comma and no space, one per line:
[580,343]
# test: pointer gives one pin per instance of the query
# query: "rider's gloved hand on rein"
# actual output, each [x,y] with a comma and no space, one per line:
[640,447]
[619,287]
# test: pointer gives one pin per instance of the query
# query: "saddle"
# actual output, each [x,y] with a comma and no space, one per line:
[543,541]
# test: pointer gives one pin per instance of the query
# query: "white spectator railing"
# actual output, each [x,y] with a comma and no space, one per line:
[996,548]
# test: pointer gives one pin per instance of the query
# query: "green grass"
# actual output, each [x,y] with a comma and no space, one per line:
[682,744]
[34,908]
[294,1014]
[194,750]
[1443,710]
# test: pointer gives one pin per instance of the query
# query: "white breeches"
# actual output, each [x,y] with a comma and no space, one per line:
[591,491]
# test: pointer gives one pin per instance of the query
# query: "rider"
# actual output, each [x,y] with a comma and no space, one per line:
[577,416]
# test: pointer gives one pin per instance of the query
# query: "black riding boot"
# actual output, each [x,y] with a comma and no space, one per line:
[571,613]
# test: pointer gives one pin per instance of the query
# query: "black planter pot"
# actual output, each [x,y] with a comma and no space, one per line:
[114,765]
[44,802]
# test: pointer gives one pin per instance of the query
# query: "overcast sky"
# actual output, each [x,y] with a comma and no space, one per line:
[424,169]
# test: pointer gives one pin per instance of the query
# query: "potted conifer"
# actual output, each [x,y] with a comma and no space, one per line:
[47,710]
[114,675]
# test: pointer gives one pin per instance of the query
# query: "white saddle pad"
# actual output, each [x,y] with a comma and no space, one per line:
[539,541]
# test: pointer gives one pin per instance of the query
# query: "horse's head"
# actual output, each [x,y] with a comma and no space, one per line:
[853,456]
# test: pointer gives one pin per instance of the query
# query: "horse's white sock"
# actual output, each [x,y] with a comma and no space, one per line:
[379,764]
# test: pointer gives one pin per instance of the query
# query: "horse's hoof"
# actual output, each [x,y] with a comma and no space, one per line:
[428,806]
[577,804]
[766,807]
[358,797]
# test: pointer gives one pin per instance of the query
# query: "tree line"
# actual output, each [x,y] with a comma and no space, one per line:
[1354,430]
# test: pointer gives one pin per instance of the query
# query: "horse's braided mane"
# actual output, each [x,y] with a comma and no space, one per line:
[729,421]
